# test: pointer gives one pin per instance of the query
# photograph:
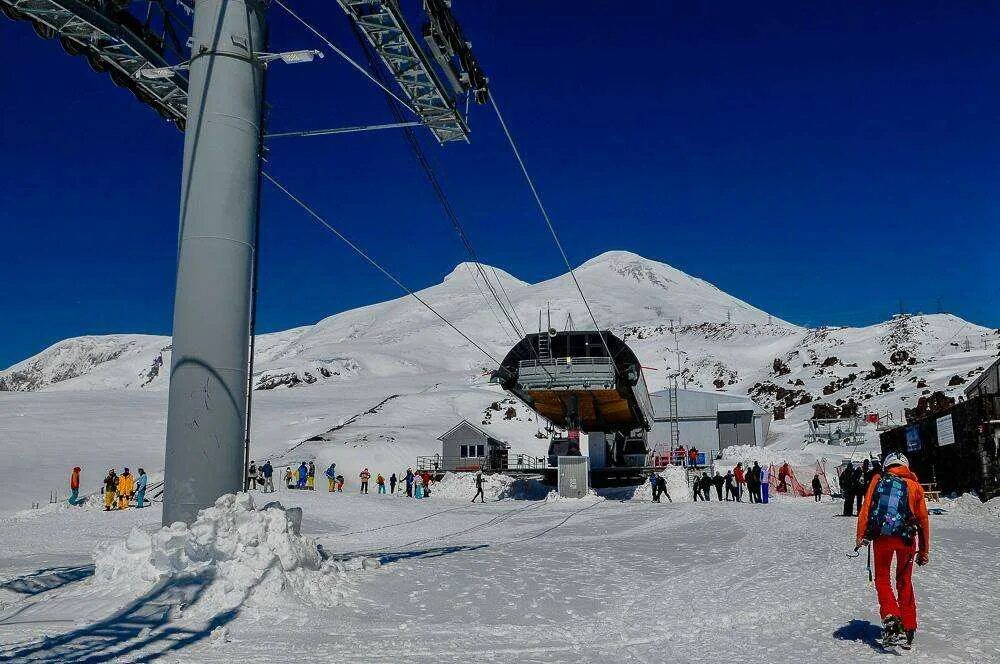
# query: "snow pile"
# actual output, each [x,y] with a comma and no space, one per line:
[677,486]
[968,504]
[245,556]
[462,486]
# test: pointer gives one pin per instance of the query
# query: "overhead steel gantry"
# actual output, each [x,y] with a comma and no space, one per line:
[115,41]
[385,28]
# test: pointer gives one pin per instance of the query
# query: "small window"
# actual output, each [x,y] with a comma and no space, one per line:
[480,451]
[465,451]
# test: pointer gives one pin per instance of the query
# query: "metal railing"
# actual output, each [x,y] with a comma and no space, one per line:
[568,371]
[664,458]
[565,361]
[513,461]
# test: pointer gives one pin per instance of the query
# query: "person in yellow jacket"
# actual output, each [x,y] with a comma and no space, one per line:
[126,487]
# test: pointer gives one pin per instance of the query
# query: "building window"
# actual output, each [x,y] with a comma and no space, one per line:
[480,451]
[464,451]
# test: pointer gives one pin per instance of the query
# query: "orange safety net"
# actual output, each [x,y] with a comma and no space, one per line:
[784,479]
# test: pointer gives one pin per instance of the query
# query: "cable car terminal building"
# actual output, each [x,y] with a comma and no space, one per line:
[956,448]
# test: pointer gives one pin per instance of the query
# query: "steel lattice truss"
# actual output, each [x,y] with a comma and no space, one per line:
[388,34]
[117,42]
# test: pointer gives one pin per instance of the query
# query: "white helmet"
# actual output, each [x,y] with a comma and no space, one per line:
[895,459]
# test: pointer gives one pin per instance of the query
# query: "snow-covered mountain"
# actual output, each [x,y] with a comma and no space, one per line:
[725,343]
[375,387]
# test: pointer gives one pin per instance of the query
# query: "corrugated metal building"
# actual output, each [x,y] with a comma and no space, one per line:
[709,420]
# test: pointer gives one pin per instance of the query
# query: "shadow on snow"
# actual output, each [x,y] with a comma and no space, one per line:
[389,557]
[142,629]
[862,631]
[47,579]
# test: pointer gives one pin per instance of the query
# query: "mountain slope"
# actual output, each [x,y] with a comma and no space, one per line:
[723,343]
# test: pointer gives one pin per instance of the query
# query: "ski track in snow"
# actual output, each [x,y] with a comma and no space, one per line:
[521,581]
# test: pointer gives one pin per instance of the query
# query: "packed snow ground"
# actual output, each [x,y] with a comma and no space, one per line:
[510,581]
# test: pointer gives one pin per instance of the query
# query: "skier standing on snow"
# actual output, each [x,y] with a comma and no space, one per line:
[758,481]
[140,489]
[862,480]
[740,481]
[392,483]
[267,472]
[847,489]
[331,478]
[303,476]
[479,489]
[365,476]
[126,485]
[655,486]
[252,476]
[730,486]
[311,477]
[706,487]
[380,483]
[289,478]
[109,489]
[750,482]
[74,486]
[409,483]
[894,519]
[817,488]
[718,481]
[661,484]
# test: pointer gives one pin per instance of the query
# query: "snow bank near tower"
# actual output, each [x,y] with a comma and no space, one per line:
[969,505]
[677,486]
[241,556]
[496,486]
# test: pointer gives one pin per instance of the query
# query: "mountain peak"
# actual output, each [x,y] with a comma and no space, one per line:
[469,271]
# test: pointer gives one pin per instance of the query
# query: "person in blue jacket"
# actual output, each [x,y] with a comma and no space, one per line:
[303,476]
[140,488]
[409,483]
[331,478]
[655,487]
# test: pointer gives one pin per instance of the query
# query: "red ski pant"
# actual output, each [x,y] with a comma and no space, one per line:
[902,604]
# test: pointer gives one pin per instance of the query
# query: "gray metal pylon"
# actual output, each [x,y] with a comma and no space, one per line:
[207,411]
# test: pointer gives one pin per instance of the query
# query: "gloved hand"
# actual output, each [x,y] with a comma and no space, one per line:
[860,543]
[923,558]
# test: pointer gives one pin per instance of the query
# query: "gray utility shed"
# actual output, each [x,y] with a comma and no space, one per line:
[467,447]
[709,420]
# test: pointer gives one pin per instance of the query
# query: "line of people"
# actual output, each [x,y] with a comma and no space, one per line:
[854,482]
[118,490]
[261,477]
[418,485]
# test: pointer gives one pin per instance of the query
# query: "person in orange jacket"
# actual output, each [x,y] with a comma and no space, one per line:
[74,486]
[126,487]
[894,519]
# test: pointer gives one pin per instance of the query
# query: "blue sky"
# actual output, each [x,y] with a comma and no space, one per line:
[820,160]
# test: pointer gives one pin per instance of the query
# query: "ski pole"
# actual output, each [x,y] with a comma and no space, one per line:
[871,581]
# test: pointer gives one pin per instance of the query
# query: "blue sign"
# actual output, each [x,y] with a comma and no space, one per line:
[912,439]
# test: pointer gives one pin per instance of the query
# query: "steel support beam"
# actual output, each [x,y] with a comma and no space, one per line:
[207,412]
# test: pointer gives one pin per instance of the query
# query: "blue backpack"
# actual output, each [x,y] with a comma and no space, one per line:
[889,513]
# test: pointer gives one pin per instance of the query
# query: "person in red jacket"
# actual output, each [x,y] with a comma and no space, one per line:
[897,529]
[74,486]
[740,481]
